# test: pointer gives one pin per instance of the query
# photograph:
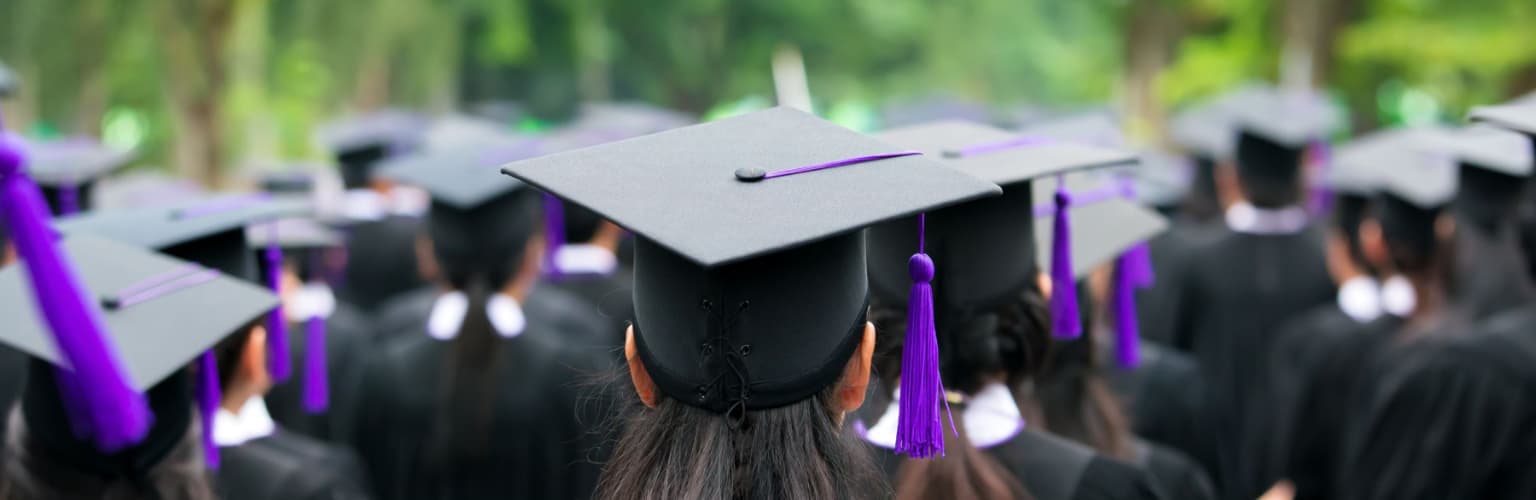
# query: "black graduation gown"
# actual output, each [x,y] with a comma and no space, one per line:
[1453,421]
[286,466]
[1163,397]
[405,313]
[1299,348]
[588,329]
[1490,273]
[381,261]
[1176,474]
[1053,468]
[539,445]
[1171,251]
[348,338]
[1236,293]
[612,295]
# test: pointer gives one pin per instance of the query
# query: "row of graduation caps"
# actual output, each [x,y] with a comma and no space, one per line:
[771,197]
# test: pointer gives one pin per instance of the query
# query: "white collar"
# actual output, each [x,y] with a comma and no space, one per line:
[448,315]
[991,417]
[1246,218]
[585,259]
[1360,298]
[313,300]
[370,205]
[1398,297]
[252,423]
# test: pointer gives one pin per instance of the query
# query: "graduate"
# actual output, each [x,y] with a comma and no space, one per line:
[480,395]
[751,341]
[1074,389]
[1354,180]
[993,329]
[1496,166]
[588,265]
[1519,116]
[327,338]
[1266,266]
[1407,236]
[381,222]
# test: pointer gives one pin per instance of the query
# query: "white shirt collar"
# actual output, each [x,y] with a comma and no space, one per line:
[448,315]
[1360,298]
[1398,297]
[369,205]
[252,423]
[1245,218]
[585,259]
[991,417]
[311,301]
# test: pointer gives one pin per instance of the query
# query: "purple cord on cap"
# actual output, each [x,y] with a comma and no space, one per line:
[1065,323]
[317,385]
[118,416]
[838,163]
[223,205]
[198,276]
[278,361]
[992,147]
[1127,327]
[554,235]
[209,399]
[919,431]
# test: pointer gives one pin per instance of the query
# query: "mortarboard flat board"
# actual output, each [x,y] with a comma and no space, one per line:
[462,178]
[161,312]
[628,119]
[1518,115]
[1360,165]
[210,232]
[1100,128]
[455,131]
[1490,148]
[1288,118]
[1104,224]
[1161,179]
[293,233]
[1209,128]
[749,240]
[67,170]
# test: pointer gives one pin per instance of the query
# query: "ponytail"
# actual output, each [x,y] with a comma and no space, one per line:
[965,472]
[468,384]
[1076,401]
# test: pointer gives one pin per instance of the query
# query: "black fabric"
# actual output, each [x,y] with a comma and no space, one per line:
[1486,200]
[381,261]
[1491,276]
[85,197]
[541,445]
[1172,253]
[1452,421]
[612,295]
[13,377]
[1177,475]
[1052,468]
[1164,398]
[1332,396]
[404,314]
[1270,172]
[51,435]
[357,164]
[289,466]
[348,337]
[1242,287]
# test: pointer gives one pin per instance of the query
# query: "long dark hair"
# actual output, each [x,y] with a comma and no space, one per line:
[974,347]
[478,252]
[1076,400]
[799,451]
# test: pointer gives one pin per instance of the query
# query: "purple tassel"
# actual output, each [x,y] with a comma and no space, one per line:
[69,199]
[117,416]
[554,235]
[278,361]
[209,399]
[1127,327]
[317,385]
[919,433]
[1321,201]
[1139,265]
[1065,323]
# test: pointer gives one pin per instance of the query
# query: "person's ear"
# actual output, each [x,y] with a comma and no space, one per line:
[644,386]
[1445,227]
[855,382]
[1228,190]
[1043,281]
[1374,246]
[426,259]
[253,360]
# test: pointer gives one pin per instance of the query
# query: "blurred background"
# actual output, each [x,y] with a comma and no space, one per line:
[206,89]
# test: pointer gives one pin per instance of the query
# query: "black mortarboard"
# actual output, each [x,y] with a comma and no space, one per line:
[1161,180]
[750,276]
[1273,131]
[1102,229]
[1518,115]
[161,313]
[628,119]
[1495,167]
[209,232]
[294,233]
[1412,193]
[1209,129]
[67,170]
[479,221]
[1098,128]
[361,141]
[933,107]
[985,248]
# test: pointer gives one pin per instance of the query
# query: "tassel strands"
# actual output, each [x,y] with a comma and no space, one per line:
[317,385]
[278,360]
[920,433]
[209,398]
[1127,327]
[1065,323]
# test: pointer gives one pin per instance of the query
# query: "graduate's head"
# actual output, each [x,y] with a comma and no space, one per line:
[242,362]
[751,338]
[1268,172]
[1346,256]
[1495,166]
[1408,230]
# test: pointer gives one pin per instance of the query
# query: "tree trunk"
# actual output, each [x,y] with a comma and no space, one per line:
[1151,30]
[194,39]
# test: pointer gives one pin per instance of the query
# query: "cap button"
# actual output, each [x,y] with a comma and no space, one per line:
[750,174]
[951,153]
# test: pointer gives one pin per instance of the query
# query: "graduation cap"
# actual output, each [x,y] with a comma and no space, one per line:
[987,247]
[628,119]
[479,221]
[161,313]
[1518,115]
[1109,225]
[751,286]
[1275,129]
[287,183]
[1411,196]
[1495,166]
[361,141]
[1160,179]
[1209,129]
[1098,128]
[67,170]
